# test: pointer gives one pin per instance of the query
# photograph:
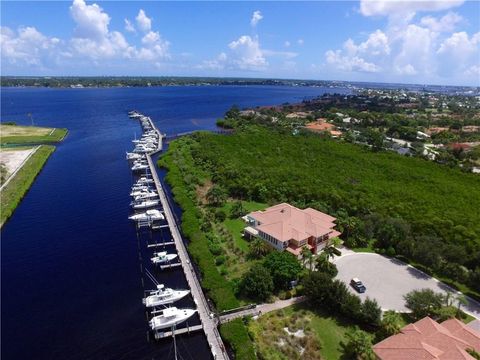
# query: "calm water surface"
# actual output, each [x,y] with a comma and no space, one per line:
[70,259]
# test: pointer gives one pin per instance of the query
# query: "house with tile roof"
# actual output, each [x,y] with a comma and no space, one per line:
[427,339]
[287,228]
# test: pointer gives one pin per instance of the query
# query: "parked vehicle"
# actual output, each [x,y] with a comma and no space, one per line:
[358,285]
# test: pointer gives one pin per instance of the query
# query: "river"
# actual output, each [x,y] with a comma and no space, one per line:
[70,268]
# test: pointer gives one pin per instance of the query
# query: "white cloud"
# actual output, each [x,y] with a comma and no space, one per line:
[151,37]
[219,63]
[26,46]
[460,44]
[129,26]
[287,44]
[406,70]
[143,21]
[247,53]
[256,17]
[91,22]
[395,7]
[349,63]
[446,23]
[300,42]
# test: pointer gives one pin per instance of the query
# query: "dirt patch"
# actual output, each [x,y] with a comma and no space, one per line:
[12,159]
[202,191]
[15,130]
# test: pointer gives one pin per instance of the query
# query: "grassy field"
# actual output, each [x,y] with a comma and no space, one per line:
[15,134]
[13,193]
[322,338]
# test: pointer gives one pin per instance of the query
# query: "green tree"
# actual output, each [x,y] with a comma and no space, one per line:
[316,287]
[371,312]
[307,257]
[237,210]
[284,267]
[330,247]
[424,302]
[257,283]
[359,344]
[391,323]
[325,266]
[258,248]
[216,195]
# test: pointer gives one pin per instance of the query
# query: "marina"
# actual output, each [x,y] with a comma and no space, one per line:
[84,190]
[163,259]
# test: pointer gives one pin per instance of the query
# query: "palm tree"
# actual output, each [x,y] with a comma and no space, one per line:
[307,257]
[461,300]
[258,248]
[391,323]
[330,246]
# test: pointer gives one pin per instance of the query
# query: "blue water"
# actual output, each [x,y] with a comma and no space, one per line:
[70,259]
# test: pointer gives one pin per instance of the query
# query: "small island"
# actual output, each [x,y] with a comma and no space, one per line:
[24,152]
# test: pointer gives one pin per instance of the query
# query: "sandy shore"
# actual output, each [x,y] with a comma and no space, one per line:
[13,159]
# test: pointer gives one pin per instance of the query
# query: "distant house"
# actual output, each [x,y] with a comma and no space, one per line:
[427,339]
[298,114]
[320,125]
[288,228]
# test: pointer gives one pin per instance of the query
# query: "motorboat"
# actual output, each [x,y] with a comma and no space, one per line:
[170,317]
[136,193]
[145,204]
[152,215]
[162,257]
[138,167]
[146,195]
[144,179]
[134,156]
[163,296]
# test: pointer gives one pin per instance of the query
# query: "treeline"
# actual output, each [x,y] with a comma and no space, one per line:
[409,207]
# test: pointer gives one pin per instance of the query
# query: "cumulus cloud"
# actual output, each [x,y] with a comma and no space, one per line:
[143,21]
[247,53]
[428,48]
[90,20]
[256,17]
[26,46]
[287,43]
[394,7]
[446,23]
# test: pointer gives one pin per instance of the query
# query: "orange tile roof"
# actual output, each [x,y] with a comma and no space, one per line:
[427,339]
[285,222]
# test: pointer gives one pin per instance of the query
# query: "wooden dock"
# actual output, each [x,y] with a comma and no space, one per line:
[186,330]
[207,318]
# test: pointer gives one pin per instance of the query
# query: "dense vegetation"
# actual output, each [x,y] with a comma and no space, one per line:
[235,334]
[411,207]
[14,191]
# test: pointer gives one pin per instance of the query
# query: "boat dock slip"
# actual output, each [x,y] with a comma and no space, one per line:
[187,330]
[209,323]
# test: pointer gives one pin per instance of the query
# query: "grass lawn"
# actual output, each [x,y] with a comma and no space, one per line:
[11,195]
[236,226]
[14,134]
[323,334]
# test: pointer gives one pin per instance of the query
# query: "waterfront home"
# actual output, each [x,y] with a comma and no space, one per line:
[428,339]
[320,125]
[287,228]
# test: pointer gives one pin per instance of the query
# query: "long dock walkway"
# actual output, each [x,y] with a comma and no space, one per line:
[206,317]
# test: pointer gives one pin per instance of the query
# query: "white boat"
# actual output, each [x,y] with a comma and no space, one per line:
[139,192]
[146,195]
[152,215]
[144,180]
[169,317]
[162,257]
[134,156]
[163,296]
[138,167]
[145,204]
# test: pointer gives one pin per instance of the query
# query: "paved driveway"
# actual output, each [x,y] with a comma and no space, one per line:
[388,280]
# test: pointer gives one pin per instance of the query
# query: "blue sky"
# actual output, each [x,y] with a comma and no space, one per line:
[436,42]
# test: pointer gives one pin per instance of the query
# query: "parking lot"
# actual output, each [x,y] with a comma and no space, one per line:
[388,280]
